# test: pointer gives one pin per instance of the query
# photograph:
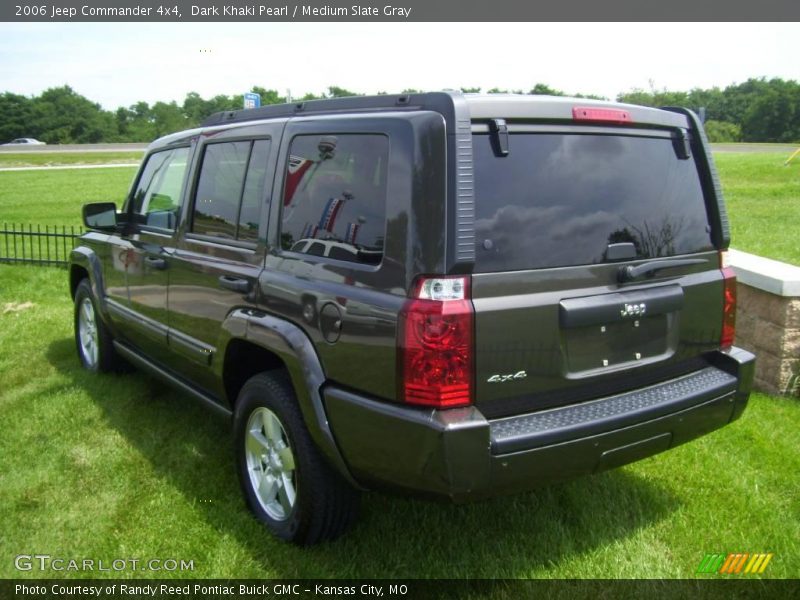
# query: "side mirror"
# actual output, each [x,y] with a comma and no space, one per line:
[100,215]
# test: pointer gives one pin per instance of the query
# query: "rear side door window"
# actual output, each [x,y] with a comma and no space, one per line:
[156,201]
[231,190]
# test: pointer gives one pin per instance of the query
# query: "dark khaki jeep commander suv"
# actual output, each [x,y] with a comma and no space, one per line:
[448,295]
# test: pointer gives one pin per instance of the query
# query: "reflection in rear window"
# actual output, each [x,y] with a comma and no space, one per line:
[560,199]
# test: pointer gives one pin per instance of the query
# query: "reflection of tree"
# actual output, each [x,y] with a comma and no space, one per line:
[652,240]
[624,235]
[287,240]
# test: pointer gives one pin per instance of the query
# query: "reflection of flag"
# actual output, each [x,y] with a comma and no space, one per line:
[329,214]
[309,231]
[352,232]
[294,175]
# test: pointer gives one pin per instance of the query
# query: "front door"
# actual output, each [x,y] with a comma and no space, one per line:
[144,252]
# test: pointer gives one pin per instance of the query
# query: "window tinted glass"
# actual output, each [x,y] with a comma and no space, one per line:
[316,249]
[560,199]
[254,192]
[335,191]
[231,190]
[219,189]
[157,198]
[341,253]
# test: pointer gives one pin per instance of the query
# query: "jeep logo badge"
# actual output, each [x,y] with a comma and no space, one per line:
[633,310]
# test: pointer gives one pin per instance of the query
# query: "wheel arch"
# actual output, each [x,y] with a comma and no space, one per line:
[84,263]
[255,342]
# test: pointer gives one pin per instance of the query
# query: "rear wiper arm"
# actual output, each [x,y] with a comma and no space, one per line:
[629,273]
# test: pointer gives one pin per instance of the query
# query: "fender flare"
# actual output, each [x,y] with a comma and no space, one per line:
[290,343]
[87,259]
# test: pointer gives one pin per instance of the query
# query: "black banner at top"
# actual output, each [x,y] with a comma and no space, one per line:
[402,10]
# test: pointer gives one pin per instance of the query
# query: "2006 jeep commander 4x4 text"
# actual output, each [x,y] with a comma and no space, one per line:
[450,295]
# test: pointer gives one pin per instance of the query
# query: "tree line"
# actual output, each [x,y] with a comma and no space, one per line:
[758,110]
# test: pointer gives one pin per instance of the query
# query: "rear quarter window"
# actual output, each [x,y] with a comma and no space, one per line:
[335,196]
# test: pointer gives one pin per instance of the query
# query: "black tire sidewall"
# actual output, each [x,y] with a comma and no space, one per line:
[256,393]
[83,291]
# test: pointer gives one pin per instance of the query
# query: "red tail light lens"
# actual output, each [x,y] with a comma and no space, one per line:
[435,343]
[728,308]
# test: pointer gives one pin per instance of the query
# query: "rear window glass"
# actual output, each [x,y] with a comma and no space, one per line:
[560,199]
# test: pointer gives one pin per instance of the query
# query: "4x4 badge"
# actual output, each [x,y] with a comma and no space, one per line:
[507,377]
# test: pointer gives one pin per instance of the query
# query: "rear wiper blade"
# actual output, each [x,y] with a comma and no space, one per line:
[629,273]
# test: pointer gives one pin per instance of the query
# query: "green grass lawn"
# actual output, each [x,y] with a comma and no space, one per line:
[122,466]
[48,159]
[56,197]
[763,200]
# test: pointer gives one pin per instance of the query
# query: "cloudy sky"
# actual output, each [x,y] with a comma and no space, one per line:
[120,63]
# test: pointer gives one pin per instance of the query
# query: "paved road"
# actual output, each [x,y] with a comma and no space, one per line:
[75,148]
[786,149]
[49,168]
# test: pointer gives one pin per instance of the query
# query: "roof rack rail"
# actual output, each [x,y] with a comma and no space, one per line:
[438,101]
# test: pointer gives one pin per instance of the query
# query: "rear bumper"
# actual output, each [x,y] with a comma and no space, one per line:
[460,455]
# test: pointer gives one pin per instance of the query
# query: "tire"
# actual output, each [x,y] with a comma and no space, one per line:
[286,482]
[93,341]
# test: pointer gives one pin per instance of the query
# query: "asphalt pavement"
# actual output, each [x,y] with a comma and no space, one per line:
[47,148]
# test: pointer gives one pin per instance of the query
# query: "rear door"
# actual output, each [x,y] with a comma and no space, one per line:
[557,219]
[220,253]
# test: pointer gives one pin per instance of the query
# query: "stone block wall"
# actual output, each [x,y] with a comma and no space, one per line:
[768,320]
[769,326]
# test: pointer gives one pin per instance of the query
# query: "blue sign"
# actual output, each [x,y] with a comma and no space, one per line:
[252,100]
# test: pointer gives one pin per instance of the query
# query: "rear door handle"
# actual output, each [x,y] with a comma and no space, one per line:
[155,262]
[235,284]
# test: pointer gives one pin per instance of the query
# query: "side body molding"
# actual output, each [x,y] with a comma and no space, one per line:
[297,352]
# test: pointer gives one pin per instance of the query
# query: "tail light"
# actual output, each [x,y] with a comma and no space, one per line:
[728,304]
[435,343]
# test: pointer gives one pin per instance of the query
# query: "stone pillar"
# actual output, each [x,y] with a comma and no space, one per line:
[768,320]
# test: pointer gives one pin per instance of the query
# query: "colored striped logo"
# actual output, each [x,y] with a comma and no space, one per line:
[735,563]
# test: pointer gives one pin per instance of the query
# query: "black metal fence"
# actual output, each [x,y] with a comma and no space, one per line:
[45,245]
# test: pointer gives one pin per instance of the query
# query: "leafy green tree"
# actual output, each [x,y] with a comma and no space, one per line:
[338,92]
[541,89]
[135,123]
[654,97]
[773,115]
[268,96]
[496,90]
[722,131]
[167,117]
[15,117]
[62,116]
